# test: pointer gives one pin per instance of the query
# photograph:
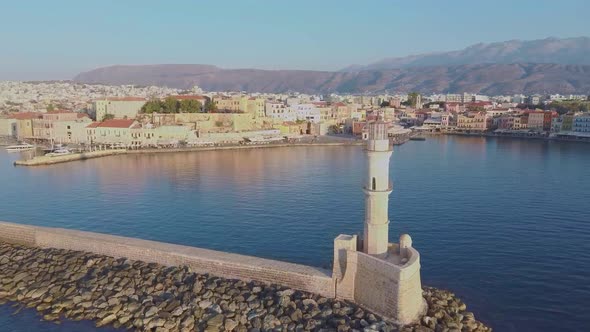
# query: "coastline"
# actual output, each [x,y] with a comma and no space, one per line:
[543,138]
[44,160]
[242,147]
[64,274]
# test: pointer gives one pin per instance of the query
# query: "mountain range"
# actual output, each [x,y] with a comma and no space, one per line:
[540,66]
[568,51]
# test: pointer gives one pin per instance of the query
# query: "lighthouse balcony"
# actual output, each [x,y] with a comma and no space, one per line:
[374,190]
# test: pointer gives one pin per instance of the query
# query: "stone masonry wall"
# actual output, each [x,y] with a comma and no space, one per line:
[385,289]
[227,265]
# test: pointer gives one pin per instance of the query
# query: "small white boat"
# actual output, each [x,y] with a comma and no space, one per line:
[59,152]
[20,147]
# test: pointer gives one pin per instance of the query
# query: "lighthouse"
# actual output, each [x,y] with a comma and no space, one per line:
[370,270]
[377,189]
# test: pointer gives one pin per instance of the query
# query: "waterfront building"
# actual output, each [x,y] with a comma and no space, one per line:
[433,123]
[568,122]
[448,119]
[112,132]
[70,131]
[24,124]
[556,124]
[478,121]
[536,120]
[8,127]
[44,126]
[118,108]
[581,123]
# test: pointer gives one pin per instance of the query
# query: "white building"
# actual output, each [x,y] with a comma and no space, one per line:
[307,112]
[278,110]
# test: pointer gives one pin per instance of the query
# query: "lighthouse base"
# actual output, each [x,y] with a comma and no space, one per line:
[390,286]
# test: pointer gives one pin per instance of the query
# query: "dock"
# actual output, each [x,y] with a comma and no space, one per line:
[45,160]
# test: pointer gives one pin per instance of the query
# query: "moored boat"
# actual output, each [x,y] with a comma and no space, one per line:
[59,152]
[20,147]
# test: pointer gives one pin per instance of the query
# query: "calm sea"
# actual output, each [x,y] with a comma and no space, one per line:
[504,223]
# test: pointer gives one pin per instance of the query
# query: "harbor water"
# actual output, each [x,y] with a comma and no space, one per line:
[502,222]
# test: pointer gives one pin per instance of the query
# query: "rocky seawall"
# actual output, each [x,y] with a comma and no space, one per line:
[134,295]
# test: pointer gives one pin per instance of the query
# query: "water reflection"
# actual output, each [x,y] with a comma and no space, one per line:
[471,204]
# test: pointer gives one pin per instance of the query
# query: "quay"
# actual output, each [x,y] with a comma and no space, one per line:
[45,160]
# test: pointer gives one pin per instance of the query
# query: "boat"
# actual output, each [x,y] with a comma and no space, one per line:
[59,152]
[417,138]
[20,147]
[54,147]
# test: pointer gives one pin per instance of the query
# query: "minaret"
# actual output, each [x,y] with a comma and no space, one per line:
[377,190]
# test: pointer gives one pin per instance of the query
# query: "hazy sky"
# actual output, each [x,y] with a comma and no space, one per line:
[56,39]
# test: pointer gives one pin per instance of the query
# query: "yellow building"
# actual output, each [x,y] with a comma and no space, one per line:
[24,124]
[71,131]
[119,108]
[255,106]
[479,121]
[225,103]
[7,127]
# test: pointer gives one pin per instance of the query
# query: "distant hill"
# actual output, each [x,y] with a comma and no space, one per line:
[491,79]
[569,51]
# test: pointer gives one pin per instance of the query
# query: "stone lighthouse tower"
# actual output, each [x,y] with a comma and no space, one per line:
[382,276]
[377,189]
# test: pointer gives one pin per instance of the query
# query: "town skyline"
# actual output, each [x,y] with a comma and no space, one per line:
[58,44]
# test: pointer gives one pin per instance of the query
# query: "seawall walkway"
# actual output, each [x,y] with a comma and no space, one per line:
[147,285]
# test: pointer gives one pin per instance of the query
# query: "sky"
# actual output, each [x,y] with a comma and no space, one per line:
[43,40]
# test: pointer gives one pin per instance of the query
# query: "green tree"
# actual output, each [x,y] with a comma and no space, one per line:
[566,106]
[384,104]
[210,106]
[171,105]
[190,106]
[50,108]
[152,106]
[413,98]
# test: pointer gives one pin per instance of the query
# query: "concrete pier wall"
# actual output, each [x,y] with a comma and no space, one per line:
[222,264]
[45,160]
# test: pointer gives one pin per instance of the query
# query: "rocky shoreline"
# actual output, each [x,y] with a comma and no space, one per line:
[134,295]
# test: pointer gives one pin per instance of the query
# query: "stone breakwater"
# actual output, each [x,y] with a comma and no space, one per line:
[134,295]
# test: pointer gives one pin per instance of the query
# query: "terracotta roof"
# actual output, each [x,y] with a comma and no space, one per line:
[93,125]
[82,115]
[26,116]
[188,97]
[125,99]
[59,112]
[116,123]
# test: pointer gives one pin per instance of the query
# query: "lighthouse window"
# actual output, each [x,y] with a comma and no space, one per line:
[374,184]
